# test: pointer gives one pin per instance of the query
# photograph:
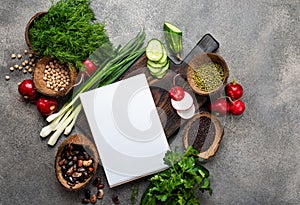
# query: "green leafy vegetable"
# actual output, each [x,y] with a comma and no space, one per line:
[179,183]
[69,32]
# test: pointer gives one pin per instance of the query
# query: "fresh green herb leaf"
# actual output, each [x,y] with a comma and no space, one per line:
[171,158]
[69,32]
[179,183]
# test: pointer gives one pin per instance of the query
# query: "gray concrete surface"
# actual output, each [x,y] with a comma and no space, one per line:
[258,160]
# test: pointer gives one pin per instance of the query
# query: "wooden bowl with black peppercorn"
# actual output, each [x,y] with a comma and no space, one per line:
[52,78]
[76,162]
[207,73]
[204,132]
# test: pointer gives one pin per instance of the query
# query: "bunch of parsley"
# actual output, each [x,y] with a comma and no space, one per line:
[179,183]
[68,31]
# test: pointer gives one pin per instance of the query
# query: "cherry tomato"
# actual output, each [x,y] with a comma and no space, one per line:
[176,93]
[27,90]
[237,107]
[46,106]
[220,107]
[234,90]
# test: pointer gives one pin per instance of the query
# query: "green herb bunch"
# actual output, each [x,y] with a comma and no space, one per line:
[179,183]
[68,31]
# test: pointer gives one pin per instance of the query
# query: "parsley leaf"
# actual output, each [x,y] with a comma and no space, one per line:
[179,183]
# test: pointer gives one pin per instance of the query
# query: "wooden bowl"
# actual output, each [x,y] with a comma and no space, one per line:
[77,139]
[201,59]
[41,84]
[212,139]
[27,28]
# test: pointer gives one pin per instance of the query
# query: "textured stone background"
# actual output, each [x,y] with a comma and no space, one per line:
[258,161]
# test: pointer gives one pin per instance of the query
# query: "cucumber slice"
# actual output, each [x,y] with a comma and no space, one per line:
[173,37]
[156,64]
[163,60]
[164,69]
[160,76]
[153,70]
[154,50]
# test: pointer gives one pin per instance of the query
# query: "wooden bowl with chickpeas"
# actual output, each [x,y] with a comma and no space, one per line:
[52,78]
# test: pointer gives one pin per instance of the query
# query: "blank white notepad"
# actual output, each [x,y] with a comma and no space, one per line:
[127,129]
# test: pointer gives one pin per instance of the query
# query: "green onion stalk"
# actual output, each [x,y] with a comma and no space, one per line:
[107,73]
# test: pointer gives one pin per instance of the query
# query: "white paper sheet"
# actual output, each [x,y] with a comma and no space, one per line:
[127,129]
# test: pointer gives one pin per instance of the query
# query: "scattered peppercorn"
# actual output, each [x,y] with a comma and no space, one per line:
[19,56]
[11,69]
[13,56]
[7,77]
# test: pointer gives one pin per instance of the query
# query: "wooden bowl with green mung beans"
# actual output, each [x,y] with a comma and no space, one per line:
[207,73]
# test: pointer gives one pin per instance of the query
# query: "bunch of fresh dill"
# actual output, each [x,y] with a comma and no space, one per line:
[69,32]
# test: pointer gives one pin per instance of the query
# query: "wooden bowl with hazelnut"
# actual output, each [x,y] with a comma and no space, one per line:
[204,132]
[52,78]
[76,162]
[207,73]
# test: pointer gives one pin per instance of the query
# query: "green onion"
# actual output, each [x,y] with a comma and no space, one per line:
[107,73]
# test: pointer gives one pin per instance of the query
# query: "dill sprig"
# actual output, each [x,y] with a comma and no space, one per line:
[69,32]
